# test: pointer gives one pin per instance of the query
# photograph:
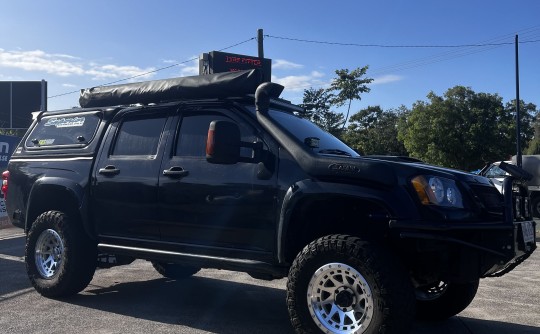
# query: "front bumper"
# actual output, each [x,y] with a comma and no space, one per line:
[463,251]
[467,251]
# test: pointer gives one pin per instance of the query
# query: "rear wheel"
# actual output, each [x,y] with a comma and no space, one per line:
[174,270]
[60,258]
[342,284]
[441,300]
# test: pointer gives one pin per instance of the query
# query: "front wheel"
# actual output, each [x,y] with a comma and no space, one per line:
[442,300]
[60,258]
[342,284]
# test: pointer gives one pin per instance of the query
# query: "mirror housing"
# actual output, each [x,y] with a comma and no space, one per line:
[223,143]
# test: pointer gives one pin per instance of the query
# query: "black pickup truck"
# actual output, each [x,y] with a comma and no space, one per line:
[217,172]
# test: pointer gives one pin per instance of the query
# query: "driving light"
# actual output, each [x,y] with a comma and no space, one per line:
[434,190]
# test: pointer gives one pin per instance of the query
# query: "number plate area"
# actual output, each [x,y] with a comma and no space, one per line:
[527,230]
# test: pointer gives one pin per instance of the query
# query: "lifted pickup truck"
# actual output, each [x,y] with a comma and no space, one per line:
[217,172]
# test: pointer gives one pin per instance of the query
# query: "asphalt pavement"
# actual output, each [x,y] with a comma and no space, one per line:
[136,299]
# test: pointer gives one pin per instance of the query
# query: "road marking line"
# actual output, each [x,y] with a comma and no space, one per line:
[12,258]
[14,236]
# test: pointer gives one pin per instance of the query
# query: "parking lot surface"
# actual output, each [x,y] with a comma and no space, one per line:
[136,299]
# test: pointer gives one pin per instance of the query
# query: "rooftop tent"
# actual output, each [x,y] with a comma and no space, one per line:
[219,85]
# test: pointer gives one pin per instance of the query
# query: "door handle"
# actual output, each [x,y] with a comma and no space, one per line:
[175,171]
[109,170]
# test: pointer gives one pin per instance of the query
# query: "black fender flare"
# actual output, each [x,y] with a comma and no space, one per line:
[52,186]
[392,199]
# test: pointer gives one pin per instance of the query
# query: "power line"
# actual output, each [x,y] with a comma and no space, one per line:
[382,45]
[532,35]
[396,46]
[154,71]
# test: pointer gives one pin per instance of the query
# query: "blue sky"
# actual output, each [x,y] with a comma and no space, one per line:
[76,44]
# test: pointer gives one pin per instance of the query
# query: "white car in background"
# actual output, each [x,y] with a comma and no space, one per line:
[495,174]
[531,164]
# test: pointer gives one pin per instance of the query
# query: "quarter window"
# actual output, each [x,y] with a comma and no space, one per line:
[63,130]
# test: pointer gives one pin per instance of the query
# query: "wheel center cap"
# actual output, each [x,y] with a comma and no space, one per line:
[345,297]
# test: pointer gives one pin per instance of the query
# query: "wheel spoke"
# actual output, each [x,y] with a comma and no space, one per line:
[340,300]
[48,253]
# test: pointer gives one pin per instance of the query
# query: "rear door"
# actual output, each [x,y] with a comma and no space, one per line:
[126,174]
[214,206]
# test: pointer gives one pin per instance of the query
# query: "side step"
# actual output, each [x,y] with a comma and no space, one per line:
[198,260]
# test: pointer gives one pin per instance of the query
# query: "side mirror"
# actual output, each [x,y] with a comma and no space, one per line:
[223,143]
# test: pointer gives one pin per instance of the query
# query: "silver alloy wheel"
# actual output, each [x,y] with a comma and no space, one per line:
[340,299]
[49,253]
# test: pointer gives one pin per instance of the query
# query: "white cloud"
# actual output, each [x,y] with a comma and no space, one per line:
[38,60]
[67,65]
[191,69]
[281,64]
[386,79]
[119,72]
[317,74]
[68,85]
[301,82]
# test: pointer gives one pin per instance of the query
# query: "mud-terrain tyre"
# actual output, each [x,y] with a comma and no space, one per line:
[444,300]
[342,284]
[60,258]
[174,270]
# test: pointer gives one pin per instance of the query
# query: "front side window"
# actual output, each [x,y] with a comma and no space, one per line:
[139,136]
[62,130]
[193,134]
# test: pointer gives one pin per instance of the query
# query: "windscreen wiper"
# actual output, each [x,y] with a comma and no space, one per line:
[335,151]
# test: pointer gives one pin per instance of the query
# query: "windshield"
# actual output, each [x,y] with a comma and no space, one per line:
[313,137]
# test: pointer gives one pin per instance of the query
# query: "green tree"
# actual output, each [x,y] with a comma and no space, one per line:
[461,129]
[348,86]
[317,108]
[13,132]
[529,124]
[374,131]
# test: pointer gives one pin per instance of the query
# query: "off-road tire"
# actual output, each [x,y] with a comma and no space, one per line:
[453,299]
[386,296]
[60,258]
[174,270]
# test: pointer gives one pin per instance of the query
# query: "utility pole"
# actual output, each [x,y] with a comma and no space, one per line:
[519,159]
[260,43]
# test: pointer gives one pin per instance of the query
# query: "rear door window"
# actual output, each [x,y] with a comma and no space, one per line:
[64,130]
[140,135]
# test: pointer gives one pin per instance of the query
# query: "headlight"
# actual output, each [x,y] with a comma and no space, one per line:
[436,190]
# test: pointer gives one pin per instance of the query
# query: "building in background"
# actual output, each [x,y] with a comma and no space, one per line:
[18,99]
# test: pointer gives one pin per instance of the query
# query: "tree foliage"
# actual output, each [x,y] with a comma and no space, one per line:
[13,132]
[347,86]
[534,144]
[374,131]
[462,129]
[317,108]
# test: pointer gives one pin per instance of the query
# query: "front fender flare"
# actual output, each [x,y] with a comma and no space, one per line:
[393,199]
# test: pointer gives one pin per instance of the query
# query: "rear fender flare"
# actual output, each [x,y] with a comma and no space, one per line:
[43,197]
